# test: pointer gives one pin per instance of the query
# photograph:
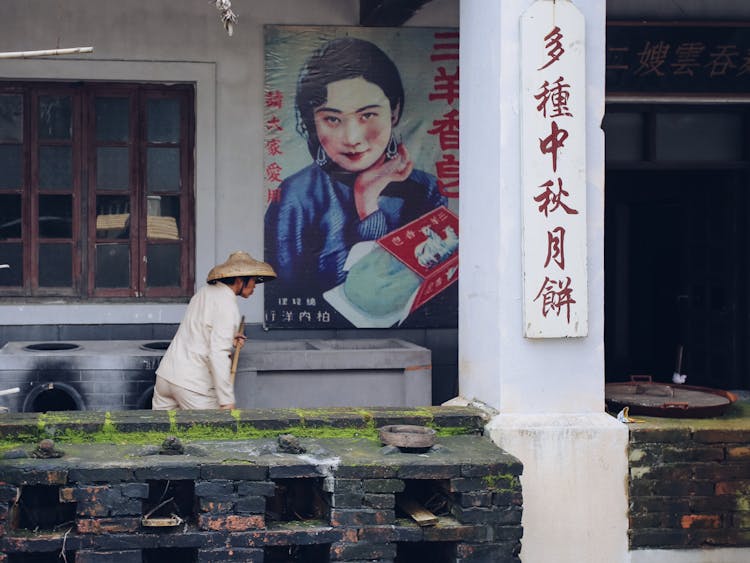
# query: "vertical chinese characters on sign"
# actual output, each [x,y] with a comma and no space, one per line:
[553,170]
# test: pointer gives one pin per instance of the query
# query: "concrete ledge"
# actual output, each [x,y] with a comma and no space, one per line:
[217,424]
[690,556]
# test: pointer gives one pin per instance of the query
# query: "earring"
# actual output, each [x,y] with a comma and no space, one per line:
[321,158]
[391,150]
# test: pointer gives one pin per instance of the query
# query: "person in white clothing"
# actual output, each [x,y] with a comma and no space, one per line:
[195,370]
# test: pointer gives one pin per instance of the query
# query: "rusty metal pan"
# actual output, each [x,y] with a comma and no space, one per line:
[407,436]
[645,397]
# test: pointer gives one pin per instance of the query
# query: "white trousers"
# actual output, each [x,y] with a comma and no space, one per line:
[168,396]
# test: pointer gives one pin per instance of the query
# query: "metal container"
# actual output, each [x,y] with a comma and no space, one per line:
[645,397]
[407,436]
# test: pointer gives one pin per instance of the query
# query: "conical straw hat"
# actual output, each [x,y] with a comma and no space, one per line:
[242,264]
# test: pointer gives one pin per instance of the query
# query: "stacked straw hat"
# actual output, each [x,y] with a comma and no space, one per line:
[242,264]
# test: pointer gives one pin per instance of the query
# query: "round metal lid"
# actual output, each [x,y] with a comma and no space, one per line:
[643,396]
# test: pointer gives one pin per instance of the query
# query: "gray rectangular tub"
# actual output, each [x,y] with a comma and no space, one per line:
[333,373]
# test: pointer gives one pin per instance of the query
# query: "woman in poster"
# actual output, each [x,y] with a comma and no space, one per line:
[361,184]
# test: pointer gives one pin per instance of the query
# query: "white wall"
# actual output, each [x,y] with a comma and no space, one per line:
[179,40]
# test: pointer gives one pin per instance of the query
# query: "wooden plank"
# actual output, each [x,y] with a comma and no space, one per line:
[419,513]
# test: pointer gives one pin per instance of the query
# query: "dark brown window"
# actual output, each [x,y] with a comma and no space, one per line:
[96,190]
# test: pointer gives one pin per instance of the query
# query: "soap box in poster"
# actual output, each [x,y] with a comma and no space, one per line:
[429,247]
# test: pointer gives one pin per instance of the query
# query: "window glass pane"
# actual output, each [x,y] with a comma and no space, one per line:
[112,168]
[163,217]
[623,136]
[55,117]
[55,167]
[163,120]
[163,173]
[56,265]
[55,216]
[112,216]
[11,117]
[112,119]
[10,216]
[163,265]
[11,255]
[10,166]
[112,265]
[720,136]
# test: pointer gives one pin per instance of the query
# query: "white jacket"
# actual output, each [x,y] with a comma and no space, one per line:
[198,358]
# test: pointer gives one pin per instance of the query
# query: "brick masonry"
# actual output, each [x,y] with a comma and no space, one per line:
[247,501]
[690,482]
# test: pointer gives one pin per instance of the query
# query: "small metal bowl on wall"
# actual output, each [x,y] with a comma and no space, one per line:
[407,437]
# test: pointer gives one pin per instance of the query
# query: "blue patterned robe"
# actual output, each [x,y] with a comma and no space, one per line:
[314,223]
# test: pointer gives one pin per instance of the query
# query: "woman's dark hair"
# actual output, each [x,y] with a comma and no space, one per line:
[342,59]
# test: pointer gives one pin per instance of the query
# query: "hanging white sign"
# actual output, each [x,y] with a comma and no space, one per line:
[553,170]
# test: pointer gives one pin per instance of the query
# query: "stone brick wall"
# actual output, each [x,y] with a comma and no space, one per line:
[339,501]
[690,483]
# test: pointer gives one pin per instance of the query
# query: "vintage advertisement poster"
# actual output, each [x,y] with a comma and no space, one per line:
[361,175]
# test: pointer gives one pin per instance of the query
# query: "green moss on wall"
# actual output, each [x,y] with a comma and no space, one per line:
[74,427]
[503,483]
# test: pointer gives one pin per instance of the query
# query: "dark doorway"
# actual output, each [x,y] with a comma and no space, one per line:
[676,247]
[676,272]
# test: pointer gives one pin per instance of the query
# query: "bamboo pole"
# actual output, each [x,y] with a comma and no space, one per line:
[45,53]
[236,354]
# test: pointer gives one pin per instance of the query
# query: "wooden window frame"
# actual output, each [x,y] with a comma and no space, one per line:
[649,111]
[34,191]
[83,190]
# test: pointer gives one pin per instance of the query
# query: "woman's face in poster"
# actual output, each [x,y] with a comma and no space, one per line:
[354,124]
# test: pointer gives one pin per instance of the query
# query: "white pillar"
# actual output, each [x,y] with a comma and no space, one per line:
[497,364]
[549,392]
